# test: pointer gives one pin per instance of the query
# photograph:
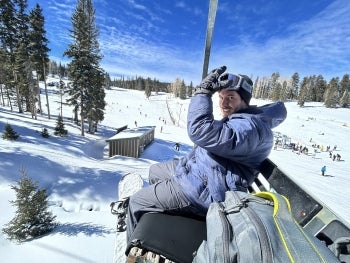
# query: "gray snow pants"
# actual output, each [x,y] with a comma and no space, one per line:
[163,194]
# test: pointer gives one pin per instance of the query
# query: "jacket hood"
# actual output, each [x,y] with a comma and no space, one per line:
[273,114]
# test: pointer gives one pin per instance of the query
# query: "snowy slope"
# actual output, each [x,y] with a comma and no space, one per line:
[82,180]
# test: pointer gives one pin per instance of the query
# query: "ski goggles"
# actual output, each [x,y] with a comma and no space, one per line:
[238,82]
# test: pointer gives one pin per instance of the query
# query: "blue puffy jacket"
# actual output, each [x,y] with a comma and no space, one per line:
[228,152]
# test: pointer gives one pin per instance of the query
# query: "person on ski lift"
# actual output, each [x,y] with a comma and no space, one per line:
[227,153]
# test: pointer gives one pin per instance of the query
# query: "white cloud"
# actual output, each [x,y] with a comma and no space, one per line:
[135,38]
[311,47]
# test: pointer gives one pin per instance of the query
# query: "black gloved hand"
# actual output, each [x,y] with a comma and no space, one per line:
[210,84]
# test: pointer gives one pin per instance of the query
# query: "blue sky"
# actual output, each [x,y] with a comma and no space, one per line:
[165,39]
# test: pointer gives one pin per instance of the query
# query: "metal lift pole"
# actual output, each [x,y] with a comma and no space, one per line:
[210,27]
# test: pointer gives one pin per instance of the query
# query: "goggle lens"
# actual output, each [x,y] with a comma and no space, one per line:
[239,82]
[235,80]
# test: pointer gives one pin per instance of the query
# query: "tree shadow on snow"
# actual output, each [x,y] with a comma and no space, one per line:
[88,229]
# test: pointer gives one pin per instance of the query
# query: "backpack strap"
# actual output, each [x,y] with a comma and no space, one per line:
[292,235]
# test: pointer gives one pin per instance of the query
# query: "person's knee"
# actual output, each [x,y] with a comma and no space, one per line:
[162,171]
[152,169]
[134,202]
[153,173]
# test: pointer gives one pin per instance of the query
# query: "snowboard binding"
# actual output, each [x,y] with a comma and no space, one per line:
[120,208]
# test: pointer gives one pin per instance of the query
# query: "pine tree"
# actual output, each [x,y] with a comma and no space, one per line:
[45,133]
[303,94]
[107,81]
[345,99]
[295,86]
[263,89]
[321,85]
[331,94]
[182,91]
[345,84]
[9,29]
[5,77]
[32,218]
[140,83]
[10,133]
[23,67]
[275,87]
[284,91]
[87,92]
[24,77]
[190,90]
[148,88]
[59,129]
[96,104]
[39,50]
[62,71]
[7,22]
[155,86]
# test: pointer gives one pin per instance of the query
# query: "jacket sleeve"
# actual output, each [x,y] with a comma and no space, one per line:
[231,139]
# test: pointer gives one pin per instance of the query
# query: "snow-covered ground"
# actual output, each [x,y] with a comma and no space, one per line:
[81,180]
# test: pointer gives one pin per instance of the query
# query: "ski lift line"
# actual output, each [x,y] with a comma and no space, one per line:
[210,27]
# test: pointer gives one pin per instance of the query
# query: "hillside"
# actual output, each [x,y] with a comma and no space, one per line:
[81,179]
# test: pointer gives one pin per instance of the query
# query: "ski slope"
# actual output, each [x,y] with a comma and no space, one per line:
[81,180]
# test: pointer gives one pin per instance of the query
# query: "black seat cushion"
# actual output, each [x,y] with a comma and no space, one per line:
[175,237]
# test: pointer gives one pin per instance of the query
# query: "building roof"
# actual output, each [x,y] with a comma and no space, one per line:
[132,133]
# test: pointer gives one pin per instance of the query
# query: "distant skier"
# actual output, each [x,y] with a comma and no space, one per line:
[323,170]
[338,157]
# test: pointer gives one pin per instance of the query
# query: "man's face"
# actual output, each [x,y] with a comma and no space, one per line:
[230,102]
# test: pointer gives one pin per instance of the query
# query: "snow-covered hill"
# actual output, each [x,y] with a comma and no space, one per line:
[82,180]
